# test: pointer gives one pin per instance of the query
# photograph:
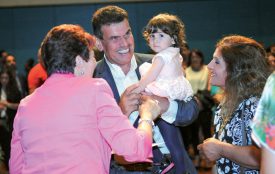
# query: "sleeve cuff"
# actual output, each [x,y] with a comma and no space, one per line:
[170,115]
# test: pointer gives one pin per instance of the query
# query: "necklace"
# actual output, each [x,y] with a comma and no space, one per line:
[224,121]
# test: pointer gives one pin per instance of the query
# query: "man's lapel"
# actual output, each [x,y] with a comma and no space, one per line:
[140,59]
[103,71]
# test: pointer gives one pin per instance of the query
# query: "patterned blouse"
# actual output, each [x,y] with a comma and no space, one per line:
[232,133]
[264,122]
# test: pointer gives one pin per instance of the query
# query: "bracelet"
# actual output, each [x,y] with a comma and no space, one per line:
[151,122]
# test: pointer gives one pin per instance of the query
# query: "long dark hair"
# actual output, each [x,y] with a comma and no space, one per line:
[247,70]
[12,91]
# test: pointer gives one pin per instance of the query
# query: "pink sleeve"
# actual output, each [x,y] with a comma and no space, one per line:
[16,157]
[124,139]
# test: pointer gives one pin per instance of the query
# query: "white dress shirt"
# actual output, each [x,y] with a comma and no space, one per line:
[125,80]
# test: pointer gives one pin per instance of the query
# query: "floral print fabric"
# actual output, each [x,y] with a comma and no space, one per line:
[264,122]
[232,133]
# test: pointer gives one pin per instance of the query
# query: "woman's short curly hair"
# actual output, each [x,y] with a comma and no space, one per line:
[246,67]
[169,24]
[61,46]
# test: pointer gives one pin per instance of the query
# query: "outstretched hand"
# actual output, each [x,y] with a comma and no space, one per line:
[149,109]
[162,101]
[129,101]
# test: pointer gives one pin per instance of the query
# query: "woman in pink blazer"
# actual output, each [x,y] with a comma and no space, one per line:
[72,123]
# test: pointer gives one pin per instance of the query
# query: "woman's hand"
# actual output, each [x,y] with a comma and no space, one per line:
[211,149]
[163,102]
[149,109]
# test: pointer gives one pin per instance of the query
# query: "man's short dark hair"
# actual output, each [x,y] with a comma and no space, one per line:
[106,16]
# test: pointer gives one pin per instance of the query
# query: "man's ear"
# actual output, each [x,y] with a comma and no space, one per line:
[98,44]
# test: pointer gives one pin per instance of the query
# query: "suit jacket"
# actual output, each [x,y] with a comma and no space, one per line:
[187,113]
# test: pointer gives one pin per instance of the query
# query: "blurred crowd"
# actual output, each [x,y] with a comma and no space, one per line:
[15,86]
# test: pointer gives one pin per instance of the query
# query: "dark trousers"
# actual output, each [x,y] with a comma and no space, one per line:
[136,168]
[190,134]
[172,138]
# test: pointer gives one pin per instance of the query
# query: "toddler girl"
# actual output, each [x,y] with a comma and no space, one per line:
[164,77]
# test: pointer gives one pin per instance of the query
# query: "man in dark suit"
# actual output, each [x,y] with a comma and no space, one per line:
[119,68]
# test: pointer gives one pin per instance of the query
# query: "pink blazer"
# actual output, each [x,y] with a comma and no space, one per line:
[70,125]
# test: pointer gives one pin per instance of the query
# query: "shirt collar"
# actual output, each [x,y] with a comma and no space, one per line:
[117,69]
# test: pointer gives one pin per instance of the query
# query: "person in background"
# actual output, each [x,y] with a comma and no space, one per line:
[28,65]
[9,101]
[10,63]
[71,123]
[239,68]
[263,126]
[3,168]
[37,74]
[185,55]
[272,48]
[197,74]
[271,60]
[3,55]
[120,68]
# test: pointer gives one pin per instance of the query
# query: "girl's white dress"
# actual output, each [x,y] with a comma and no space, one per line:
[171,82]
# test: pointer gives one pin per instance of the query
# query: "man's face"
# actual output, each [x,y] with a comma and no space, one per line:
[10,60]
[4,79]
[118,43]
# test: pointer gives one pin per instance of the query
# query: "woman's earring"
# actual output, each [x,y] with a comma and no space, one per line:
[79,66]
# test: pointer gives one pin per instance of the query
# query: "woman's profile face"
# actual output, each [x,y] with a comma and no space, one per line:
[89,66]
[217,68]
[4,79]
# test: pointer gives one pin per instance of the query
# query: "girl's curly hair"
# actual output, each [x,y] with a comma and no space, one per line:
[169,24]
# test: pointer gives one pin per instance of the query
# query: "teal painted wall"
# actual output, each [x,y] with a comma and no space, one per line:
[206,21]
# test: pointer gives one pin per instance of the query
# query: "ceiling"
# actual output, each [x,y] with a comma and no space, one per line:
[28,3]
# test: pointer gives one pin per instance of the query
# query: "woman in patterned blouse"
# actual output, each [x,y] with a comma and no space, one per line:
[239,67]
